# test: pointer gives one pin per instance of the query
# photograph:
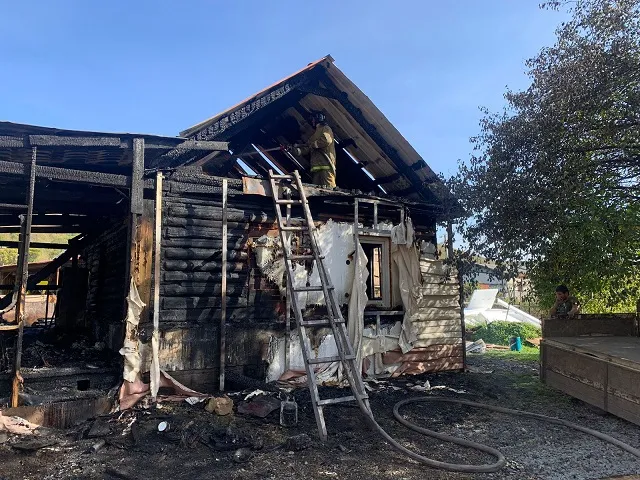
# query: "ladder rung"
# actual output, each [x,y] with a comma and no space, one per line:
[13,206]
[315,323]
[315,361]
[282,177]
[313,288]
[295,228]
[331,401]
[289,202]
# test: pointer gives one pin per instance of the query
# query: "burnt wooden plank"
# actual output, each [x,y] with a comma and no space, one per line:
[201,254]
[61,141]
[211,244]
[215,213]
[137,188]
[202,266]
[203,223]
[202,277]
[268,311]
[203,289]
[238,231]
[170,303]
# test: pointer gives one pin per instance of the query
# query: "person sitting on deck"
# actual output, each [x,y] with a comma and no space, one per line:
[322,151]
[565,304]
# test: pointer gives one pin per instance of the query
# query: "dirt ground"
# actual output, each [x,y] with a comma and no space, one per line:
[194,446]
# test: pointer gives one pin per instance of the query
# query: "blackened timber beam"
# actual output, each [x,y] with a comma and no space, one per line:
[51,246]
[168,143]
[319,91]
[67,175]
[39,219]
[11,142]
[186,145]
[47,229]
[60,141]
[140,233]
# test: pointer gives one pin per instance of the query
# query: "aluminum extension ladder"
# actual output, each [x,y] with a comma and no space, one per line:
[282,187]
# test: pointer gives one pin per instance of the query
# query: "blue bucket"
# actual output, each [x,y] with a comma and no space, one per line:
[515,344]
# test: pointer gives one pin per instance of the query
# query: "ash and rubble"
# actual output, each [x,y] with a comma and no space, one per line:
[204,438]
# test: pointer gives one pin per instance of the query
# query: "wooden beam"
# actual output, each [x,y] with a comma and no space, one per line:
[157,238]
[316,89]
[223,318]
[67,174]
[141,232]
[60,141]
[52,246]
[47,229]
[22,276]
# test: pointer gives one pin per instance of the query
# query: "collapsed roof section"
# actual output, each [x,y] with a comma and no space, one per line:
[372,154]
[96,151]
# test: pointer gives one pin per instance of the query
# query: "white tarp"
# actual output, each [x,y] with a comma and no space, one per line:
[357,303]
[481,310]
[406,257]
[130,350]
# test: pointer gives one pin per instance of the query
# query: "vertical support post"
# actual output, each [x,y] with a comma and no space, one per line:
[142,231]
[223,303]
[356,236]
[287,316]
[155,338]
[460,278]
[23,273]
[46,309]
[140,241]
[450,240]
[375,215]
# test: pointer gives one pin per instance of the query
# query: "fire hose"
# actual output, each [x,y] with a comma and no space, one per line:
[485,468]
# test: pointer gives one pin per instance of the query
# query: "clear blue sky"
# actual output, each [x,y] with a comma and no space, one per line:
[162,66]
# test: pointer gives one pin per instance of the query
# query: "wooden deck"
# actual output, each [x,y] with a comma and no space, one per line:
[601,369]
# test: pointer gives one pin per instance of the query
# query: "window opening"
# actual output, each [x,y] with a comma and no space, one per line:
[378,265]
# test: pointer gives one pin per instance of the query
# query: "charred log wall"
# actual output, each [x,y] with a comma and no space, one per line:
[191,287]
[106,260]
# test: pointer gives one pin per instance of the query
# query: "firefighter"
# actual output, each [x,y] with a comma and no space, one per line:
[321,149]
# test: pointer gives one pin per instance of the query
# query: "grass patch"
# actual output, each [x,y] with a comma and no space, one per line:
[527,355]
[499,332]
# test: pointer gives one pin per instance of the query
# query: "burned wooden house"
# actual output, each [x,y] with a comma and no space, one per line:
[177,263]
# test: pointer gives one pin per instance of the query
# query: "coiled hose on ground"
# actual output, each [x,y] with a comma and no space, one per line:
[486,468]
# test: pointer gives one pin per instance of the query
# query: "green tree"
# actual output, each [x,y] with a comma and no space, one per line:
[554,180]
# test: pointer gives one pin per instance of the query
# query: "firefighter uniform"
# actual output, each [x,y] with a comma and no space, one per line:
[322,151]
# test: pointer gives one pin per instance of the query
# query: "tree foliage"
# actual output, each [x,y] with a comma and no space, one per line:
[9,256]
[554,180]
